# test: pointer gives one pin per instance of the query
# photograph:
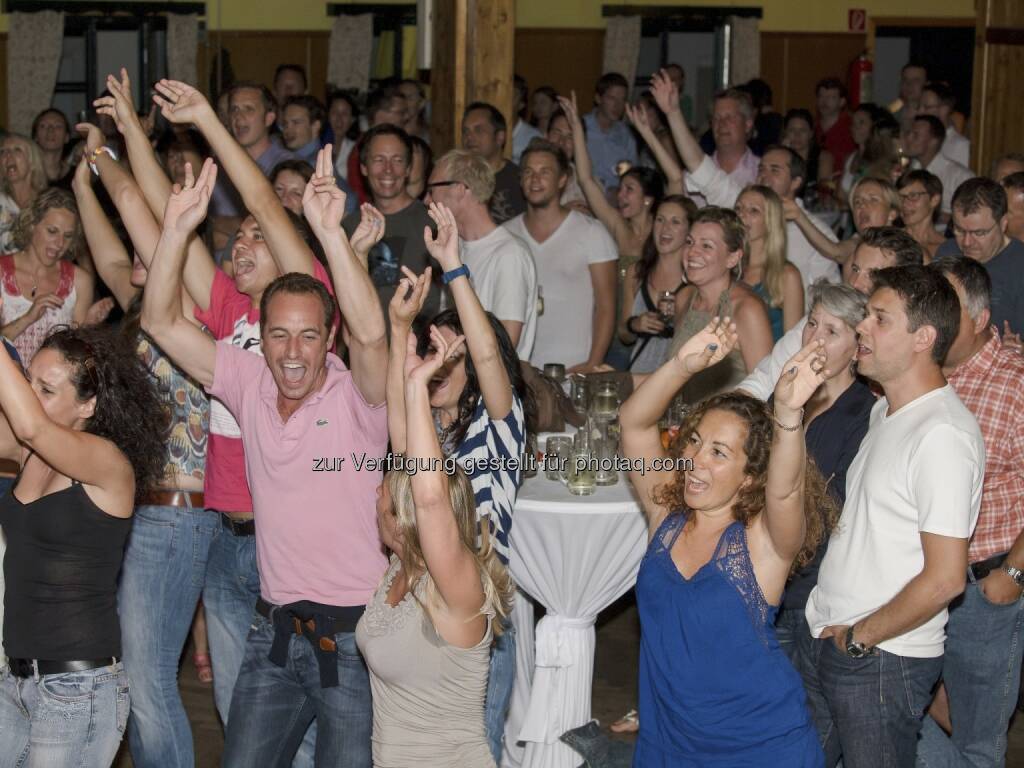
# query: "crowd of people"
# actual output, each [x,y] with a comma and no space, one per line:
[268,357]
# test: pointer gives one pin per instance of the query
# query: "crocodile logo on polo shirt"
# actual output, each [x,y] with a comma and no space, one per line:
[321,422]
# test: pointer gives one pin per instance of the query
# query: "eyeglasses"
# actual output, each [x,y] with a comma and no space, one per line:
[977,234]
[912,196]
[435,184]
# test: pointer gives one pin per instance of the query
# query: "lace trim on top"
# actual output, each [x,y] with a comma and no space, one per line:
[383,619]
[731,559]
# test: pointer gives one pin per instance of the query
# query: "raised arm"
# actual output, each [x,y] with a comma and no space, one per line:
[480,339]
[109,255]
[673,173]
[162,317]
[324,205]
[410,295]
[783,518]
[666,95]
[90,459]
[181,103]
[639,415]
[592,189]
[149,189]
[827,248]
[452,566]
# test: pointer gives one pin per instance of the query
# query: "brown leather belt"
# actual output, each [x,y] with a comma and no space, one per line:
[158,498]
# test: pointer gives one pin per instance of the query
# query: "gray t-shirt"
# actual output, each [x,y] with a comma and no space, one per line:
[401,246]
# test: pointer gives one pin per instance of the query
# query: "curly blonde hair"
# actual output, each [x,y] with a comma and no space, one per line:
[820,510]
[497,583]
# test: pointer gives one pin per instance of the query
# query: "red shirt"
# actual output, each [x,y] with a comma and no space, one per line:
[355,174]
[838,139]
[990,385]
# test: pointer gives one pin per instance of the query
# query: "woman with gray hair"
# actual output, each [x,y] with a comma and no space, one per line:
[835,421]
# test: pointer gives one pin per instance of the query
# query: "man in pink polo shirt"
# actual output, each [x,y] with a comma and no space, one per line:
[314,434]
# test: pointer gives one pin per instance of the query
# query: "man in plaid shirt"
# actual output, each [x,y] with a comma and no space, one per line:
[981,669]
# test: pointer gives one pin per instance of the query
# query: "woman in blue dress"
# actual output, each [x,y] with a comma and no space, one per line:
[736,509]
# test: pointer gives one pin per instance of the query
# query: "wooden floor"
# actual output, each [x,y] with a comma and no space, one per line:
[615,671]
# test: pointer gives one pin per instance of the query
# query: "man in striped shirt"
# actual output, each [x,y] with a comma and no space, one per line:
[981,669]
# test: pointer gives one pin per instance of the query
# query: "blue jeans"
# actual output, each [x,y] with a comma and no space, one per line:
[232,588]
[71,719]
[500,679]
[867,711]
[273,706]
[981,672]
[161,579]
[790,624]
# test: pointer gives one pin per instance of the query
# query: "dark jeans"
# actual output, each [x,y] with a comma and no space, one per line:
[867,711]
[790,624]
[273,706]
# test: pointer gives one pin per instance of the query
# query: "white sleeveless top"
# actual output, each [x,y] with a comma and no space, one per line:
[14,305]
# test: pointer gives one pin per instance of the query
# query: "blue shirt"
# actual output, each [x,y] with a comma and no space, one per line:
[12,351]
[1006,269]
[226,201]
[609,149]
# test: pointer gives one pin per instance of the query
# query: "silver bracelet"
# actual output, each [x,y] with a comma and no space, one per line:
[782,426]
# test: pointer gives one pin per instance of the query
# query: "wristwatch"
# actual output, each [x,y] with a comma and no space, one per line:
[857,650]
[1014,573]
[452,274]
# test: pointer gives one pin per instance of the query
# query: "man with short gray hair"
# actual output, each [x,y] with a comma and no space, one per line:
[500,264]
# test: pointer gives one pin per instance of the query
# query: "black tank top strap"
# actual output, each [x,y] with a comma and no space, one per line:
[645,293]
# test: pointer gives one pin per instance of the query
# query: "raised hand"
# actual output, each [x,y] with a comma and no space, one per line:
[83,177]
[98,311]
[568,106]
[409,298]
[181,103]
[709,346]
[368,233]
[790,209]
[94,138]
[802,376]
[444,247]
[421,370]
[638,117]
[665,92]
[186,207]
[322,201]
[119,105]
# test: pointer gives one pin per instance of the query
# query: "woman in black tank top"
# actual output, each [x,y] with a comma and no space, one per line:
[87,431]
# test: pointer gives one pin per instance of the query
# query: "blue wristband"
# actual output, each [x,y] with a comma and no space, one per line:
[447,277]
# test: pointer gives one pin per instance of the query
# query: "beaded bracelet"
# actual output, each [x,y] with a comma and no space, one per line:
[782,426]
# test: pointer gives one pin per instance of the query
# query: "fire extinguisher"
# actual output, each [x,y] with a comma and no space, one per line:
[860,80]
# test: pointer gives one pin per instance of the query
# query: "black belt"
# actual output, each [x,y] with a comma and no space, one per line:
[238,527]
[983,568]
[32,667]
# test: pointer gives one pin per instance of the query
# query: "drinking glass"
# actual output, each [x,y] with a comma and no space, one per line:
[605,402]
[557,452]
[555,371]
[579,393]
[667,310]
[580,476]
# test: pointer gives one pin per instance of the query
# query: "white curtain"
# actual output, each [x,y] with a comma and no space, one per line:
[622,46]
[349,50]
[34,43]
[182,47]
[744,50]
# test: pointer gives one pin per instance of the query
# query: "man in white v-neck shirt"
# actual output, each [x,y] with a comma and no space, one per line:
[899,553]
[576,262]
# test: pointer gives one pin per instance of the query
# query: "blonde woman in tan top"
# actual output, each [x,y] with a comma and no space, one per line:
[426,635]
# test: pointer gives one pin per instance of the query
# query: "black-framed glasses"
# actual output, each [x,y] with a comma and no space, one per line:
[449,183]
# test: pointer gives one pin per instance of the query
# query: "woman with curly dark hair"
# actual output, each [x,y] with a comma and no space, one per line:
[482,410]
[87,430]
[731,508]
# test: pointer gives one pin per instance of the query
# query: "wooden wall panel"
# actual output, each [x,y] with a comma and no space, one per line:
[255,55]
[793,62]
[997,114]
[566,59]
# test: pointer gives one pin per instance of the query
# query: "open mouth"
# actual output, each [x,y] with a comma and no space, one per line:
[693,485]
[244,266]
[862,351]
[293,372]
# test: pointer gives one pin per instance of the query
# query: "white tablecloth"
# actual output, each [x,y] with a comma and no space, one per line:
[575,555]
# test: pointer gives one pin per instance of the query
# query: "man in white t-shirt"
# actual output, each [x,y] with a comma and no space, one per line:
[576,263]
[899,554]
[500,265]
